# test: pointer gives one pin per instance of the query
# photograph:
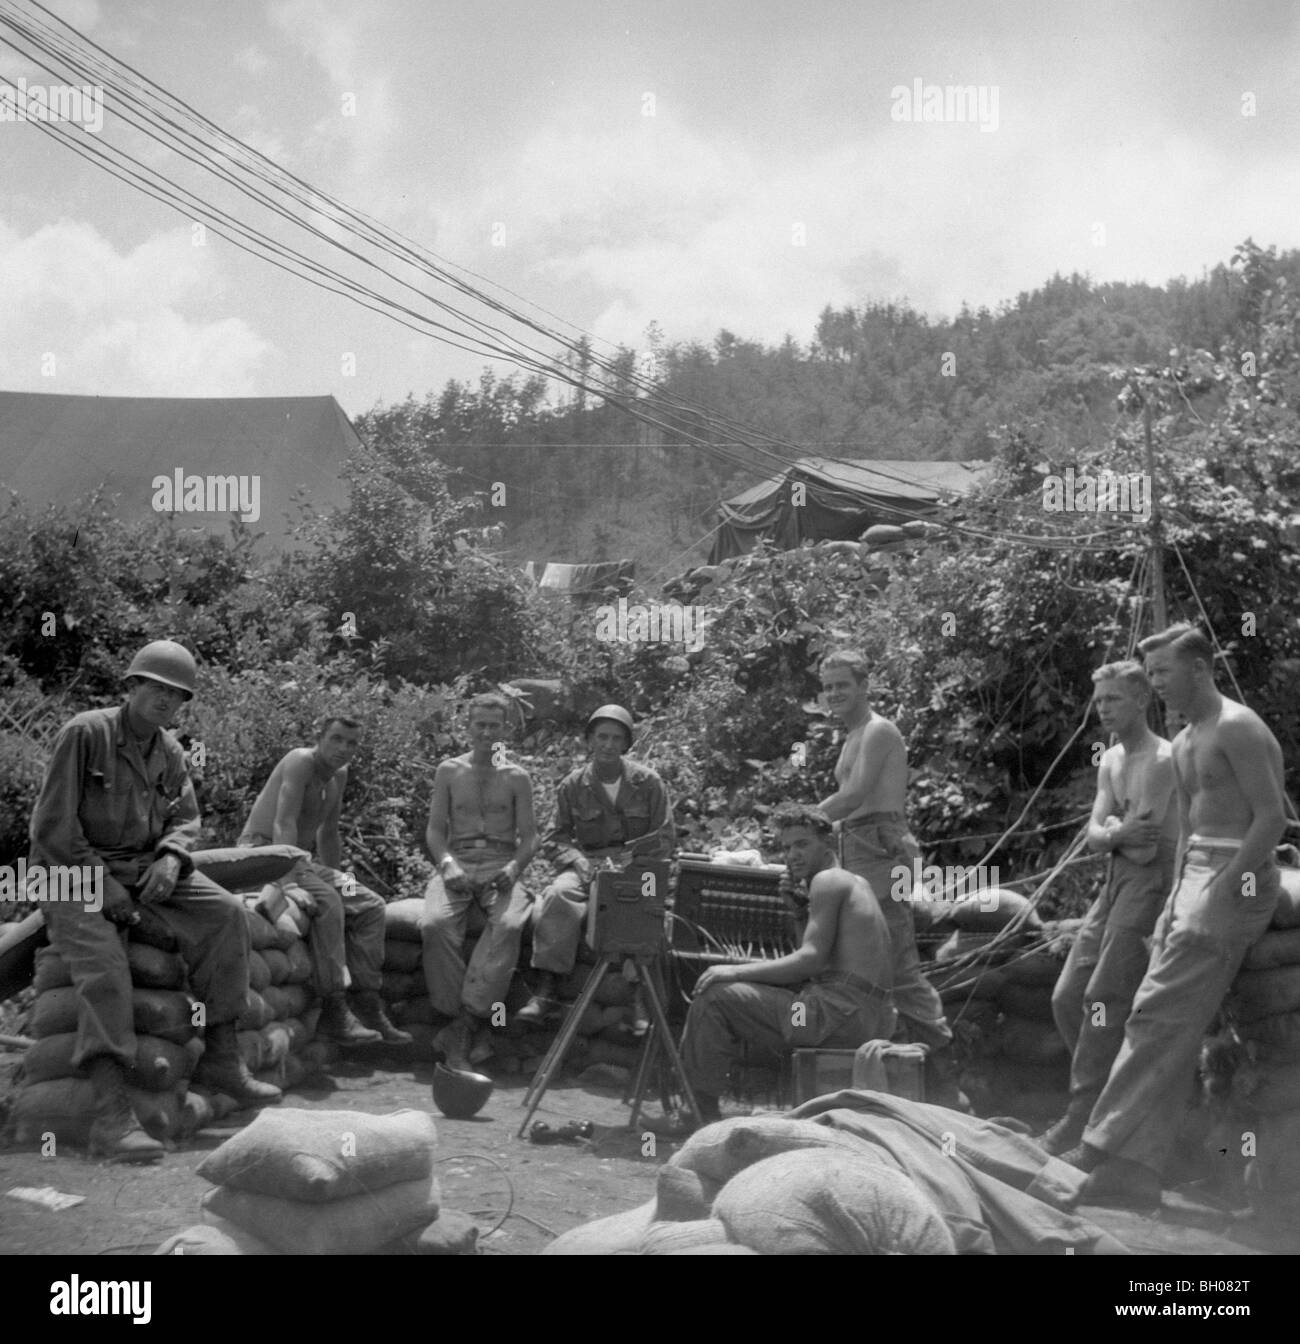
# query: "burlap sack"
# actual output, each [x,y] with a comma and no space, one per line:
[402,955]
[240,869]
[51,971]
[829,1203]
[353,1225]
[402,920]
[259,973]
[399,985]
[151,968]
[299,963]
[277,963]
[257,1012]
[65,1107]
[216,1238]
[262,934]
[319,1156]
[160,1066]
[1265,993]
[165,1013]
[285,1001]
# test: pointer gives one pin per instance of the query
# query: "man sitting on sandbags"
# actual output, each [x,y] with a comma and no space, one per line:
[1134,822]
[299,805]
[117,804]
[482,836]
[833,991]
[609,809]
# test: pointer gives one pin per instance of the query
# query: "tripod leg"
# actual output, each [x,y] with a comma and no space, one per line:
[649,1053]
[555,1055]
[660,1018]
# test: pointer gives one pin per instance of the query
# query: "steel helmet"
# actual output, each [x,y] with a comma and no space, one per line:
[166,661]
[616,714]
[458,1093]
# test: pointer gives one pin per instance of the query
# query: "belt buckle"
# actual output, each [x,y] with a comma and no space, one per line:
[480,843]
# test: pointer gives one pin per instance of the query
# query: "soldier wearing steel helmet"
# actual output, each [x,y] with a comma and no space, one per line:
[117,797]
[610,808]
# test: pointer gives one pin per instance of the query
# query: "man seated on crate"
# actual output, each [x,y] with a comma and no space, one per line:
[117,803]
[299,805]
[1135,823]
[611,808]
[482,836]
[832,991]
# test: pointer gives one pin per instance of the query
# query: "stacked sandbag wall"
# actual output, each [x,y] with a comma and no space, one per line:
[1264,1007]
[275,1035]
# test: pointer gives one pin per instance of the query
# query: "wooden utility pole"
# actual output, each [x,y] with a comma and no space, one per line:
[1157,546]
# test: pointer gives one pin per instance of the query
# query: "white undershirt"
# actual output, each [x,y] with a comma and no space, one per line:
[611,789]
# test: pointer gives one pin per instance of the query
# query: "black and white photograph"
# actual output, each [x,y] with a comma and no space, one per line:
[661,628]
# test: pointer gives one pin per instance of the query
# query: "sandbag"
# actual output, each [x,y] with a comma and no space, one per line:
[973,982]
[402,919]
[400,985]
[1030,1001]
[318,1055]
[1277,1037]
[299,963]
[830,1203]
[450,1233]
[250,1049]
[218,1237]
[160,1066]
[992,910]
[403,956]
[152,968]
[317,1156]
[165,1013]
[257,1012]
[297,1031]
[259,973]
[353,1225]
[294,923]
[1031,1042]
[277,963]
[238,869]
[619,1234]
[1287,913]
[262,934]
[65,1107]
[1257,994]
[153,930]
[285,1001]
[614,991]
[276,1043]
[51,971]
[1277,947]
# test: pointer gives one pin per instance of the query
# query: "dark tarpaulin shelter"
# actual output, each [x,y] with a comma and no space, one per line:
[840,500]
[56,448]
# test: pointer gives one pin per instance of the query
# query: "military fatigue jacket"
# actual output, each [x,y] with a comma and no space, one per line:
[587,823]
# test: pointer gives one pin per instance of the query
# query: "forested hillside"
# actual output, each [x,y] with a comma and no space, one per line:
[588,481]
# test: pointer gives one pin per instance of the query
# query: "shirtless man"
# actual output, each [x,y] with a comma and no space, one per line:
[876,845]
[1228,777]
[1133,822]
[482,836]
[299,805]
[829,992]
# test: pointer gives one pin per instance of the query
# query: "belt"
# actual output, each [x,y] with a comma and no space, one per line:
[1212,842]
[873,819]
[477,842]
[851,981]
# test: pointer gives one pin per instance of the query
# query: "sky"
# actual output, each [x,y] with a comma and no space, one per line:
[692,164]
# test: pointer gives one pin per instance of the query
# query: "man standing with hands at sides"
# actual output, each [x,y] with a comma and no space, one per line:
[482,836]
[299,805]
[875,844]
[1228,779]
[1134,822]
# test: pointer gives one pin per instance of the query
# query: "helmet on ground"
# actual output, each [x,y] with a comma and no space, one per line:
[458,1093]
[168,662]
[615,714]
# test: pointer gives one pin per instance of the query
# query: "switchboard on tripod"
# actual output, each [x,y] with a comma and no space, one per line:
[627,910]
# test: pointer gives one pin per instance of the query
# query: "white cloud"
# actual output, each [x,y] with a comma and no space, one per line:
[113,321]
[252,60]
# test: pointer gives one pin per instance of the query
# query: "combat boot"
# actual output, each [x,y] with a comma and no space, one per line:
[338,1024]
[368,1008]
[115,1132]
[543,1002]
[222,1070]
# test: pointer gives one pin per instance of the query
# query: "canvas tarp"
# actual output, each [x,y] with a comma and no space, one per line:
[583,581]
[57,449]
[838,501]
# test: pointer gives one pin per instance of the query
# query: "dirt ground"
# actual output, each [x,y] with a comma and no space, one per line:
[521,1195]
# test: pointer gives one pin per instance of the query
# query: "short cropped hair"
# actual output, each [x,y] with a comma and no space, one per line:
[491,700]
[854,661]
[1129,671]
[789,815]
[342,720]
[1186,641]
